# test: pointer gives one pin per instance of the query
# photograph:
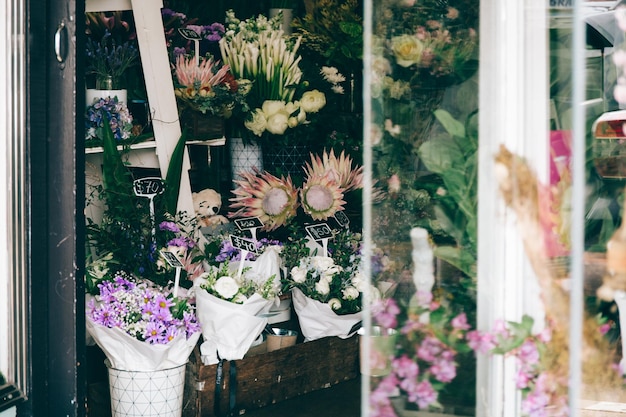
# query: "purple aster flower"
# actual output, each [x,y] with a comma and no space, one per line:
[170,334]
[191,323]
[154,333]
[169,226]
[105,316]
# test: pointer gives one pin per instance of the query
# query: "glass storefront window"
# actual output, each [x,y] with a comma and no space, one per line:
[492,207]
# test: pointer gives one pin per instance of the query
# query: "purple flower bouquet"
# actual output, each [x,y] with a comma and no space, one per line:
[142,327]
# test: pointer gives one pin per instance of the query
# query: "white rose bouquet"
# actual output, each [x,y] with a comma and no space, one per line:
[233,302]
[319,278]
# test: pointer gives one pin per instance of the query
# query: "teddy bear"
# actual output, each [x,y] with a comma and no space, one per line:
[207,204]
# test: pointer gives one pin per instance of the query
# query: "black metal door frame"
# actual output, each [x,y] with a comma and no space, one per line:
[56,343]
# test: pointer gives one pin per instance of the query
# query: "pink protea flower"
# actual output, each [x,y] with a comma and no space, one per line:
[338,169]
[321,197]
[273,200]
[198,79]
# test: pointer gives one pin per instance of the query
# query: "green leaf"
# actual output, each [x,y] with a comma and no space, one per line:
[352,29]
[115,176]
[174,174]
[452,126]
[461,258]
[441,155]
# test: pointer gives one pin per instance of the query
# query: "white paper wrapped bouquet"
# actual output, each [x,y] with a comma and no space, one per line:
[327,289]
[141,326]
[233,301]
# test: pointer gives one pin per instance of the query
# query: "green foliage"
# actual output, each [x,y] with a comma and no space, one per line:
[123,238]
[453,157]
[174,174]
[517,334]
[334,29]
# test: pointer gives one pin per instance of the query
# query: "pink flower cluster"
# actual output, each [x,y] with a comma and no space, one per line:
[425,362]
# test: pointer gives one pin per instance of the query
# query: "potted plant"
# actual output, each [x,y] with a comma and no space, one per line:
[283,102]
[208,94]
[147,335]
[110,51]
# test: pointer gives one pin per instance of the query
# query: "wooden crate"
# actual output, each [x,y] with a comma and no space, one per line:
[264,378]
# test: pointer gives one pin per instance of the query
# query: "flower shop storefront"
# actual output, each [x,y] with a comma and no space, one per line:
[285,199]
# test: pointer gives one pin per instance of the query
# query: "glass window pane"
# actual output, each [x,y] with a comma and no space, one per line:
[424,148]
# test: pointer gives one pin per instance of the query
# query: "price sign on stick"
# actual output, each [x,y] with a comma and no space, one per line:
[242,243]
[245,246]
[174,262]
[192,35]
[149,187]
[249,223]
[320,231]
[342,219]
[246,223]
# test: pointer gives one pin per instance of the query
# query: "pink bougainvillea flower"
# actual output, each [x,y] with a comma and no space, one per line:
[273,200]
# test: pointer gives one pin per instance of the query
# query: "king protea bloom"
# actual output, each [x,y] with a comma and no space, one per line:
[321,197]
[199,79]
[273,200]
[338,169]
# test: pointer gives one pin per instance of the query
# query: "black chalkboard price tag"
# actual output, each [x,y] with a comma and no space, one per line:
[246,223]
[319,231]
[172,259]
[242,243]
[189,34]
[148,186]
[342,219]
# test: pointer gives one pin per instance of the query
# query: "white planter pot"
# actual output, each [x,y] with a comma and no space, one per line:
[154,393]
[244,157]
[93,94]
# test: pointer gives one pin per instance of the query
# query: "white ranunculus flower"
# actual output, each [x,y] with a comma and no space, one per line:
[301,116]
[271,107]
[322,286]
[322,263]
[277,123]
[407,49]
[258,123]
[298,274]
[350,293]
[292,122]
[334,304]
[312,101]
[226,287]
[292,107]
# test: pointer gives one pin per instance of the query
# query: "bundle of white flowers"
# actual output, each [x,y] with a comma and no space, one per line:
[233,302]
[258,50]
